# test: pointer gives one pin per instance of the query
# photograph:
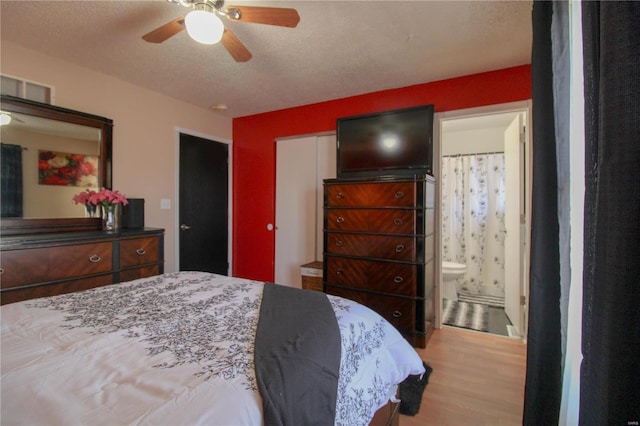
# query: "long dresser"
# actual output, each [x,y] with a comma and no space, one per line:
[46,264]
[379,248]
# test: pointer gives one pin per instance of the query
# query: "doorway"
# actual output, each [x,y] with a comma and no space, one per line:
[484,177]
[203,214]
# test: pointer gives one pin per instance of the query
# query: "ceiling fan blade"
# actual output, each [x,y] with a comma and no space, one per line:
[165,31]
[282,17]
[235,46]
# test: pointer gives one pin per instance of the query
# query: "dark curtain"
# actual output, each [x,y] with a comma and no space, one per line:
[610,371]
[543,386]
[11,181]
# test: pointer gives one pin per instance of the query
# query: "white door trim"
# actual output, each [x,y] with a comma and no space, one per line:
[439,119]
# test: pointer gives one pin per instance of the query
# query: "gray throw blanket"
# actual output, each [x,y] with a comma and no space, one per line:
[297,357]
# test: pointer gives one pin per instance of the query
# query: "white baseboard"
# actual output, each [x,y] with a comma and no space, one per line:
[513,332]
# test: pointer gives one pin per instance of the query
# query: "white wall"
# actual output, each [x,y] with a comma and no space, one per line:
[144,132]
[473,141]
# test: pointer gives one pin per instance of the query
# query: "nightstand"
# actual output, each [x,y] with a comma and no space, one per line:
[312,276]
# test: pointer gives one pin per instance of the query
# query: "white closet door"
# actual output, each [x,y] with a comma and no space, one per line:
[326,170]
[296,182]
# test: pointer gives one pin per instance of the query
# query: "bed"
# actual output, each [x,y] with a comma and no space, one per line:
[197,348]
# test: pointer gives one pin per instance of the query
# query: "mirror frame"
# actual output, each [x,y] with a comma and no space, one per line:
[17,226]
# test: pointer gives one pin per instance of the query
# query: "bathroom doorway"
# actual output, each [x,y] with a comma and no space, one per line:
[484,176]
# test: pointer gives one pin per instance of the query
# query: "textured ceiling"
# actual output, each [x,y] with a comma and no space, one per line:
[339,48]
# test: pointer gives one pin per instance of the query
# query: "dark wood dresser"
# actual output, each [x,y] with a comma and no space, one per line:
[379,248]
[47,264]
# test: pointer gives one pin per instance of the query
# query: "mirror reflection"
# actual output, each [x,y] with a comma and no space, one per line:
[46,159]
[56,159]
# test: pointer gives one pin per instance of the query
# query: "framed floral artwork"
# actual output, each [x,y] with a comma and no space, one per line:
[65,169]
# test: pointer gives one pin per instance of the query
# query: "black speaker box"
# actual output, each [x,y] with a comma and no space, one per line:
[133,214]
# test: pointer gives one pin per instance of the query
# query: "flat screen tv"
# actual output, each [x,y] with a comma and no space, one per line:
[398,142]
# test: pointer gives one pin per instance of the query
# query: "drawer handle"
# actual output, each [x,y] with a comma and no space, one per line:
[141,251]
[339,243]
[1,271]
[339,271]
[95,258]
[399,248]
[340,195]
[340,219]
[399,194]
[398,279]
[397,314]
[398,221]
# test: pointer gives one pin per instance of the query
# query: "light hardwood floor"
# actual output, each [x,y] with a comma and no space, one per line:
[477,379]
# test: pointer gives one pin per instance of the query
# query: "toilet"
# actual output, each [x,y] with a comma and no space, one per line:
[450,273]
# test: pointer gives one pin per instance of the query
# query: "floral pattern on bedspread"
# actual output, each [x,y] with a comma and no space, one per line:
[364,380]
[197,322]
[198,318]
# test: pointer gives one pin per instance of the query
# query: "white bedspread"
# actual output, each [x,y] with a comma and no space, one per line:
[172,349]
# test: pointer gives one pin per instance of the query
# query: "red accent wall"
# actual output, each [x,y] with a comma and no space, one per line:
[254,148]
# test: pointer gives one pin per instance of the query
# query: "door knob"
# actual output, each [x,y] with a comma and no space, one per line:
[184,227]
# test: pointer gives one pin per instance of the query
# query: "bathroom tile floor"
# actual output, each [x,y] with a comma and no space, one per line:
[498,321]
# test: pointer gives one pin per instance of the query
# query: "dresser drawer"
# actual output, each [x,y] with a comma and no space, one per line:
[392,221]
[21,267]
[379,247]
[376,246]
[388,277]
[377,194]
[46,264]
[401,313]
[347,272]
[348,220]
[18,294]
[356,296]
[144,272]
[138,251]
[83,259]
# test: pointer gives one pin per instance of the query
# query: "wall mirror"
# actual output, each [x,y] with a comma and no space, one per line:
[49,154]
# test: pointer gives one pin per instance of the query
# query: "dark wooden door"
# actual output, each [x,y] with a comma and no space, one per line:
[204,205]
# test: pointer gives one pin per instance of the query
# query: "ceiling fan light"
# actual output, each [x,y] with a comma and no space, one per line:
[204,27]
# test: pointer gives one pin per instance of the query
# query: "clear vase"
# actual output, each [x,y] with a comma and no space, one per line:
[111,217]
[90,210]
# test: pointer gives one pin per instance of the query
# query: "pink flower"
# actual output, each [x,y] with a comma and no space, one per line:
[83,197]
[105,197]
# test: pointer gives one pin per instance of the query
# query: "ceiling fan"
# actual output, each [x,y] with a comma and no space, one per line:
[204,25]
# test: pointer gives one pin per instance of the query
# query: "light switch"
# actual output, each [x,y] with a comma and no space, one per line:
[165,203]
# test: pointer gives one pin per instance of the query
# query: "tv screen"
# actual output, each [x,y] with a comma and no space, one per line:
[386,143]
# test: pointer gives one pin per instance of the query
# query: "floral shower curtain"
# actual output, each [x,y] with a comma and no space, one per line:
[473,228]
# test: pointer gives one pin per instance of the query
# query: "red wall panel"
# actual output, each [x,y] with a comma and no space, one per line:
[254,148]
